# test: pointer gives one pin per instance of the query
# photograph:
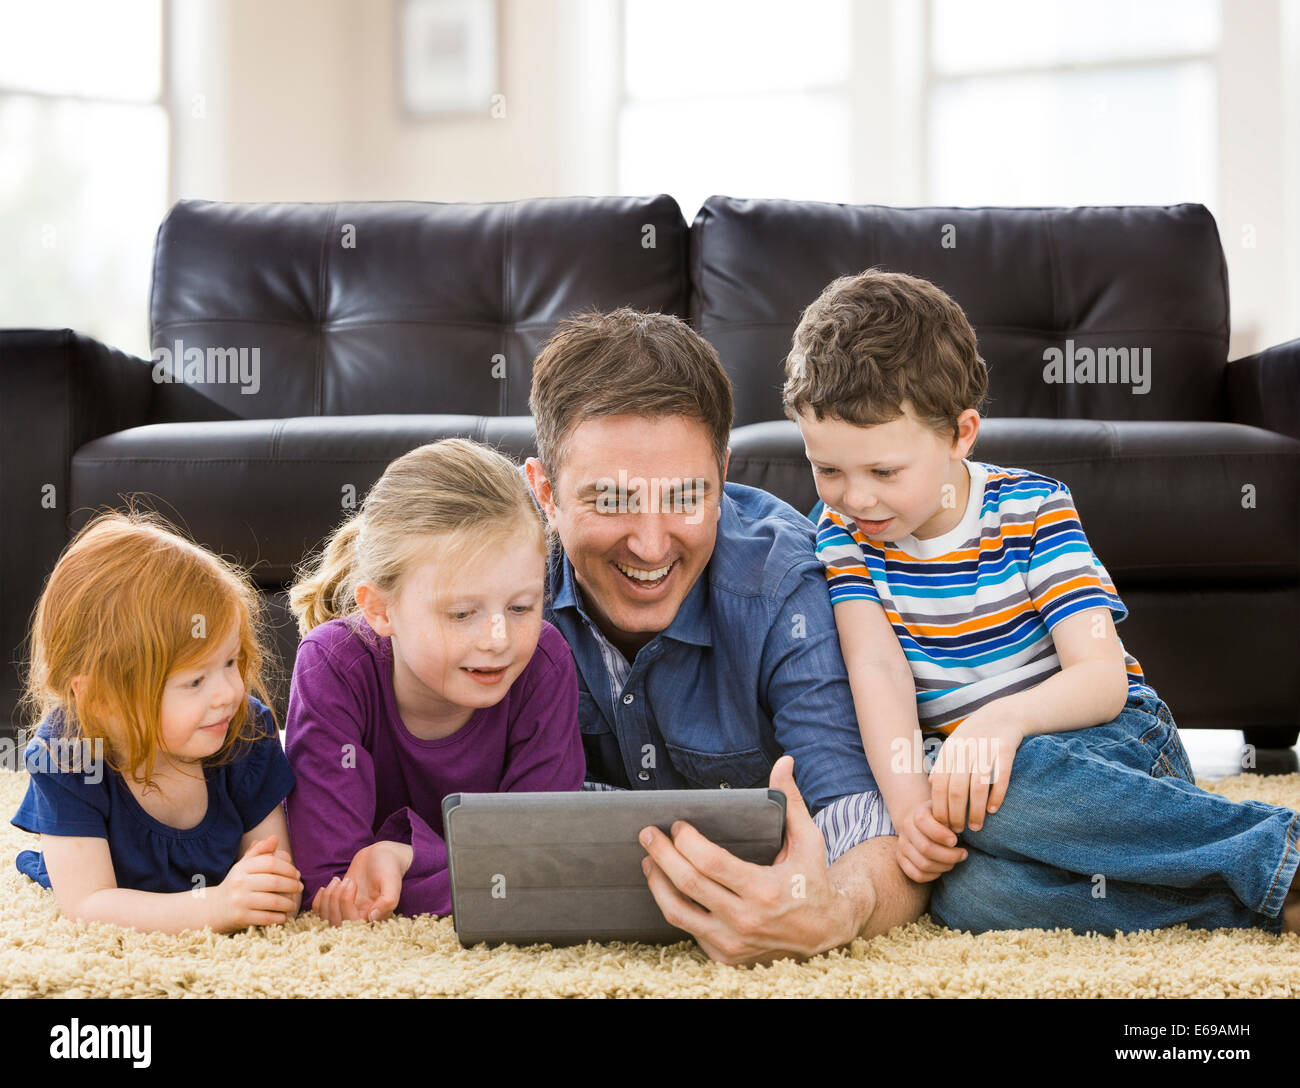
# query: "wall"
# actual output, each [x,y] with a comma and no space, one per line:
[302,104]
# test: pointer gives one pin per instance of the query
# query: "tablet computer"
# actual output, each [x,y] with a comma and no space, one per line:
[565,868]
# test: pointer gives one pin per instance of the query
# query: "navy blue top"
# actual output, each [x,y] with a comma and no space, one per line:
[64,798]
[750,668]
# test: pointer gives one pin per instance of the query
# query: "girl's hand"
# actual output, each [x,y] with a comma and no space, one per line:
[297,896]
[926,848]
[263,888]
[370,889]
[976,756]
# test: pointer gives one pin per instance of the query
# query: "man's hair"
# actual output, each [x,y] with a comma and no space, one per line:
[872,341]
[626,362]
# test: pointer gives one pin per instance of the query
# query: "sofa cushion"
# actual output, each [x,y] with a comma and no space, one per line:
[393,306]
[1161,502]
[265,492]
[1029,279]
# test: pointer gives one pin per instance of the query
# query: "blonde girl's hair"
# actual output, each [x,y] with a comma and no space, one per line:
[130,602]
[459,493]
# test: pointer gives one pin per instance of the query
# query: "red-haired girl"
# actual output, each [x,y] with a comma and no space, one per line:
[156,780]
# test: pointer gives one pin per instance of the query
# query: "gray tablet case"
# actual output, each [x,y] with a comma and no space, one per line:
[565,868]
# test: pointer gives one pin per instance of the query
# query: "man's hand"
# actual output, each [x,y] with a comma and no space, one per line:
[976,756]
[926,848]
[745,913]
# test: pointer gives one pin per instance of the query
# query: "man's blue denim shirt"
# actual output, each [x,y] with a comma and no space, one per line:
[749,669]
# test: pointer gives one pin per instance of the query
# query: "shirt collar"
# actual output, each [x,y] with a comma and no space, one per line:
[566,585]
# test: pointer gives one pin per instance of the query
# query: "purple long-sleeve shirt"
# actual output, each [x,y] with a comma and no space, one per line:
[363,778]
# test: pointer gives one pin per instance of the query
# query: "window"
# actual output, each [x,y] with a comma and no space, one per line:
[746,99]
[1074,102]
[84,132]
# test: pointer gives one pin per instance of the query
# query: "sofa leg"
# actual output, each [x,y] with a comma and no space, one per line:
[1273,736]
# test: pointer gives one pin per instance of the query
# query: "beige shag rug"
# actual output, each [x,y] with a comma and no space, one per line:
[44,954]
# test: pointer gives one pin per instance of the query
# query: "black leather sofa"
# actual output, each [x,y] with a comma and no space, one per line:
[381,326]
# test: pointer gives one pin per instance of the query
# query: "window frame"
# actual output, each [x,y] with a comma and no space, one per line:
[931,79]
[841,91]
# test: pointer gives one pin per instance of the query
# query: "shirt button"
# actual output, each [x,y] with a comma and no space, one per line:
[644,776]
[628,698]
[724,785]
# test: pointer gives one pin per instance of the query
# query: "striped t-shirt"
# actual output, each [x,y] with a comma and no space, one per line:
[974,608]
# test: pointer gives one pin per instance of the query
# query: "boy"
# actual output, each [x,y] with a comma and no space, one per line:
[972,611]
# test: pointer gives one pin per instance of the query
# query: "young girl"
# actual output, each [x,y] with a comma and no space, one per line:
[156,782]
[425,669]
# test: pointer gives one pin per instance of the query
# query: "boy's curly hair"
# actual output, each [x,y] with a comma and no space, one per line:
[871,341]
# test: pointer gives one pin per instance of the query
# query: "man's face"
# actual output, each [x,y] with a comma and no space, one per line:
[893,479]
[636,506]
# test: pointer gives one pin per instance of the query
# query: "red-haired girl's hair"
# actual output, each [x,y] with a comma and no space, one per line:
[129,602]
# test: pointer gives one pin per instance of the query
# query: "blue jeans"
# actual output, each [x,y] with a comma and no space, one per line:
[1103,830]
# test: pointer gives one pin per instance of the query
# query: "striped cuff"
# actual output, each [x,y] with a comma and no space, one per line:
[853,819]
[600,787]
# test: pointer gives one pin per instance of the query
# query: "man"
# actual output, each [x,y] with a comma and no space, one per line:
[706,648]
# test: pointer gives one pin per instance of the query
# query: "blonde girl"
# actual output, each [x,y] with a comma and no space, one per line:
[425,669]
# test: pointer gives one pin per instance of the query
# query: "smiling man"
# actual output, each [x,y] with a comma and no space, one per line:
[706,648]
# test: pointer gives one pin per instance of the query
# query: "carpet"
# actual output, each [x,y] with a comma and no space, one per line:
[45,955]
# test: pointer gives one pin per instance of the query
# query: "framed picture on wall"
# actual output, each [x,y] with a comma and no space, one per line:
[447,56]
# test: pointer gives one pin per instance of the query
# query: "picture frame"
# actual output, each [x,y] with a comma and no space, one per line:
[447,56]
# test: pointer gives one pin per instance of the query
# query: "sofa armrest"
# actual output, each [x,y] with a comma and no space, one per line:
[1264,389]
[58,390]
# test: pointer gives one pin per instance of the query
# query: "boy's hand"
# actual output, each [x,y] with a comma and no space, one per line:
[926,848]
[976,756]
